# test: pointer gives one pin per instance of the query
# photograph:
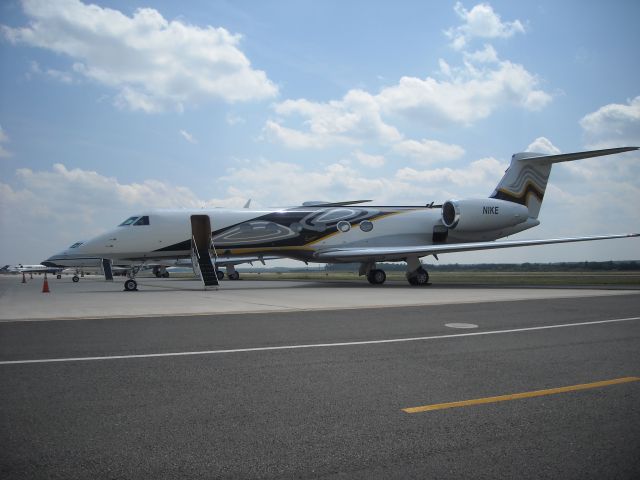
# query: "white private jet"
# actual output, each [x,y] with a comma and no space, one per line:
[40,268]
[345,231]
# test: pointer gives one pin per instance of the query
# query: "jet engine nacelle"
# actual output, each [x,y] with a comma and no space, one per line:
[482,214]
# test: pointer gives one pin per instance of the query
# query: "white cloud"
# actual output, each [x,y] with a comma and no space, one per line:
[543,145]
[460,95]
[153,63]
[480,22]
[58,75]
[282,183]
[188,137]
[445,68]
[469,93]
[4,138]
[613,125]
[351,120]
[232,119]
[64,194]
[373,161]
[428,151]
[485,172]
[487,55]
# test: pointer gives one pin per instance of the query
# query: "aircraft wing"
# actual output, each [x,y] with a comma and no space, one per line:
[222,261]
[398,253]
[333,204]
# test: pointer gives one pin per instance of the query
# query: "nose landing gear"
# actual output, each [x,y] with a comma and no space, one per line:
[130,285]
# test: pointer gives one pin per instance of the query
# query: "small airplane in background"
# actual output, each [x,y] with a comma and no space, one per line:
[20,268]
[343,232]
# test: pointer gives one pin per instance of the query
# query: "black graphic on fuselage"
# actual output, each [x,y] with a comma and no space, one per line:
[293,228]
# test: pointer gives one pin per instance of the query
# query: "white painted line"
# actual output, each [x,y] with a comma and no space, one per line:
[315,345]
[461,325]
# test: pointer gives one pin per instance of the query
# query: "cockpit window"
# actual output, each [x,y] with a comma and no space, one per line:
[143,220]
[128,221]
[76,245]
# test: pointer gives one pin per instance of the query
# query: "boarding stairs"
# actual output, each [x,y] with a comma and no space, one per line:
[107,269]
[202,249]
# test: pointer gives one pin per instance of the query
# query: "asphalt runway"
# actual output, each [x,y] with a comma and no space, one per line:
[320,394]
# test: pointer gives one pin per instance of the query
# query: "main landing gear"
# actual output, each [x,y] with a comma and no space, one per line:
[160,272]
[232,273]
[419,277]
[416,275]
[376,276]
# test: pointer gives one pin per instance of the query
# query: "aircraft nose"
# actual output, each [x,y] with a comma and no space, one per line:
[97,245]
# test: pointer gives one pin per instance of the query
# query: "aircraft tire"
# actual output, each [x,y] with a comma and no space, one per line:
[219,274]
[58,276]
[130,285]
[234,276]
[165,275]
[75,279]
[419,278]
[376,277]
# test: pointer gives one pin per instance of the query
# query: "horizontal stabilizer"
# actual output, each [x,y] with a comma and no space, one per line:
[398,253]
[567,157]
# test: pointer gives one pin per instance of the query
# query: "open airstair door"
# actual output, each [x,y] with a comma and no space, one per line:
[107,270]
[200,250]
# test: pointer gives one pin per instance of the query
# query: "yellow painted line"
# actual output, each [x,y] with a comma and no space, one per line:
[517,396]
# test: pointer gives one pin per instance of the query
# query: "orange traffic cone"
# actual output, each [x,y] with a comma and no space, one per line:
[24,280]
[45,286]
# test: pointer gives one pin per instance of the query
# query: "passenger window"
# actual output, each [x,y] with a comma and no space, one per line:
[128,221]
[143,221]
[76,245]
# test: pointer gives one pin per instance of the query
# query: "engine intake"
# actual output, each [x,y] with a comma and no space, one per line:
[482,214]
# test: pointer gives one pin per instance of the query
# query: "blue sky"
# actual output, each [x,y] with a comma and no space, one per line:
[111,108]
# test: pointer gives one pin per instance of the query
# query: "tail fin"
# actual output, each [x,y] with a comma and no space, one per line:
[525,181]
